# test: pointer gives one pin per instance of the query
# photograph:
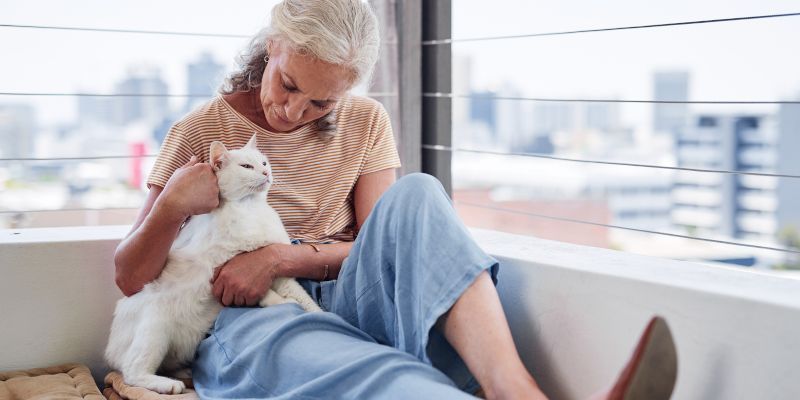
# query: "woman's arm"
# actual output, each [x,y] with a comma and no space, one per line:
[305,262]
[246,278]
[141,256]
[369,188]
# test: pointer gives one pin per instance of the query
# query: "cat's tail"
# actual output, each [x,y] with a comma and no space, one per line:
[289,289]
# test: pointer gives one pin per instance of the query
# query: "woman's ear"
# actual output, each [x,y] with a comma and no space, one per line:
[219,154]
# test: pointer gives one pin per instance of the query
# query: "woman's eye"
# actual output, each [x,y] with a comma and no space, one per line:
[248,166]
[288,88]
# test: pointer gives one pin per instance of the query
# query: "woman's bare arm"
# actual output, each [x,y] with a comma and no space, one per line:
[245,279]
[296,261]
[141,256]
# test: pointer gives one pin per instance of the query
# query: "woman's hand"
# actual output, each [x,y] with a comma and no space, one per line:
[191,190]
[246,278]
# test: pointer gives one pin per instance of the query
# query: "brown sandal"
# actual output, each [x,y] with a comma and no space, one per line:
[652,370]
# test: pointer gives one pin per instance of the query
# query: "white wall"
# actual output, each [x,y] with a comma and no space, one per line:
[576,312]
[57,296]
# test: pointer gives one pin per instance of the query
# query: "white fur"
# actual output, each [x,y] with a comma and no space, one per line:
[160,327]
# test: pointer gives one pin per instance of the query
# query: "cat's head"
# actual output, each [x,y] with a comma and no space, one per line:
[242,172]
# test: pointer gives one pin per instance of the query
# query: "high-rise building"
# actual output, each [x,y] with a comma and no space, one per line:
[554,117]
[549,118]
[670,86]
[152,107]
[93,110]
[725,204]
[788,192]
[462,84]
[482,108]
[509,132]
[204,77]
[17,128]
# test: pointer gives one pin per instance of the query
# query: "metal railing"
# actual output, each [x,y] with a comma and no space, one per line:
[436,97]
[440,95]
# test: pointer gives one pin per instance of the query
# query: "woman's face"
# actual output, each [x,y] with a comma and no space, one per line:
[298,89]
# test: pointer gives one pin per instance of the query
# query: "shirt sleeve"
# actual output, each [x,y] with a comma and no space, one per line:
[382,153]
[175,152]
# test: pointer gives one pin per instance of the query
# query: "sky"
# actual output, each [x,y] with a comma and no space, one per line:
[748,60]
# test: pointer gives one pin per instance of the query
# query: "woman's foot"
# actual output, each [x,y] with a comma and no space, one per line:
[651,372]
[513,384]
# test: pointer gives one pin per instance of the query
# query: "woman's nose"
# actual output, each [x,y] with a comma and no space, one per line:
[294,110]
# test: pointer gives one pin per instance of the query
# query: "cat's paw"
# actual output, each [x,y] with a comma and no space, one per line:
[160,384]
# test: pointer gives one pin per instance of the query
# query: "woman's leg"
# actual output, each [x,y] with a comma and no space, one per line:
[412,262]
[282,353]
[650,373]
[477,328]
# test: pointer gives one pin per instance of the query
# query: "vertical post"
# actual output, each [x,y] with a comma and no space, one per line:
[397,81]
[436,78]
[409,26]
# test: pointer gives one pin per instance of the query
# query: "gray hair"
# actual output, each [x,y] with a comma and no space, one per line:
[340,32]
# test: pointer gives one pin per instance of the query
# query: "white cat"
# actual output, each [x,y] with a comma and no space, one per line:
[161,326]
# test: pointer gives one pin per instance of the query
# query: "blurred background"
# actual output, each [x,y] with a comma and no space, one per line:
[595,138]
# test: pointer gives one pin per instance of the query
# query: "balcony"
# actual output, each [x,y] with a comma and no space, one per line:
[575,305]
[575,311]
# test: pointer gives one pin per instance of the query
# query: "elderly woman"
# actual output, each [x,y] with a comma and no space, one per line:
[413,308]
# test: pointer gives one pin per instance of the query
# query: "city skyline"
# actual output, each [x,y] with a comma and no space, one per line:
[597,65]
[642,133]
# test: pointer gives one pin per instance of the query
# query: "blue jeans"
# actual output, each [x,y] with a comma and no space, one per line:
[411,261]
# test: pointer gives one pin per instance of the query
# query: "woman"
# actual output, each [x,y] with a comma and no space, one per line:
[414,311]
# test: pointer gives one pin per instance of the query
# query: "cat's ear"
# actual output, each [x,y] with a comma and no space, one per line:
[253,144]
[218,154]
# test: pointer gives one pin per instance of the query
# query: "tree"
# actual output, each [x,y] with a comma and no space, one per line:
[790,238]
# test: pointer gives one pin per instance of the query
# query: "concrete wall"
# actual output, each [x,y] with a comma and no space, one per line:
[57,296]
[576,312]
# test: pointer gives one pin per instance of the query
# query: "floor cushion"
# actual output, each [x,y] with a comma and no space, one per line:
[68,381]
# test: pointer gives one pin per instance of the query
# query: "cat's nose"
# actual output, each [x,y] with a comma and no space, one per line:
[265,173]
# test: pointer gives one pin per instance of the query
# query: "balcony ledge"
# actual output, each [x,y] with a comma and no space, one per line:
[575,311]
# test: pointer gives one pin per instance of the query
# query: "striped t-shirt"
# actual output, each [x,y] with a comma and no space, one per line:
[313,192]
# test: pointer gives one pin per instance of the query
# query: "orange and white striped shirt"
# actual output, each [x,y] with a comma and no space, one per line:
[313,193]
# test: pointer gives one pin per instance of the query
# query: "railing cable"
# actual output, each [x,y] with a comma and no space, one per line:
[531,35]
[555,100]
[67,209]
[66,94]
[137,31]
[623,164]
[578,221]
[78,94]
[76,158]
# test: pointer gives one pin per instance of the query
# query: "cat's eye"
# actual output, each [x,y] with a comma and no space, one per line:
[264,163]
[248,166]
